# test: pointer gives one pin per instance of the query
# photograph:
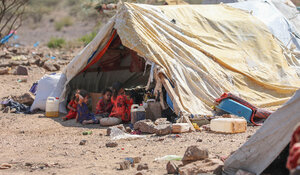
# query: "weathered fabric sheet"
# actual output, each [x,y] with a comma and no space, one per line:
[208,50]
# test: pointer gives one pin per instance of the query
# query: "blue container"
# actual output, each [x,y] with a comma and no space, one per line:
[236,108]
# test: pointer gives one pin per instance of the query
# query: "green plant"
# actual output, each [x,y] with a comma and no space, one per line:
[64,22]
[56,43]
[86,39]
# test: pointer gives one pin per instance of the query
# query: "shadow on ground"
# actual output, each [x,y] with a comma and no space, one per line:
[72,122]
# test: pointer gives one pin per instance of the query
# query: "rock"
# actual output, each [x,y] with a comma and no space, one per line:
[163,129]
[111,144]
[137,159]
[121,127]
[145,126]
[8,56]
[21,70]
[12,49]
[200,166]
[108,131]
[28,164]
[161,121]
[141,167]
[242,172]
[172,168]
[82,142]
[128,129]
[56,66]
[6,109]
[193,153]
[26,99]
[199,140]
[139,173]
[13,110]
[4,71]
[50,66]
[124,165]
[5,166]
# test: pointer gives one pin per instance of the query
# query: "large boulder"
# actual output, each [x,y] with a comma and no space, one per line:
[163,129]
[202,166]
[172,168]
[145,126]
[194,153]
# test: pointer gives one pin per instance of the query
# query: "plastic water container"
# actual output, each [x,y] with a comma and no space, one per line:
[228,125]
[52,107]
[236,108]
[153,110]
[137,113]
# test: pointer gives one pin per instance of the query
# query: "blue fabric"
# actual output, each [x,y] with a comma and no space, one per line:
[91,57]
[33,88]
[20,108]
[83,113]
[6,38]
[169,102]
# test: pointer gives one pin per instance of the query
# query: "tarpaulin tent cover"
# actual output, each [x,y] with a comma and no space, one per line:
[278,24]
[204,50]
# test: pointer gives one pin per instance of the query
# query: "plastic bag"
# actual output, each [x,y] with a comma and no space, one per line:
[117,134]
[169,157]
[45,87]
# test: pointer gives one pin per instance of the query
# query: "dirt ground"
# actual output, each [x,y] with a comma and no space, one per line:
[34,144]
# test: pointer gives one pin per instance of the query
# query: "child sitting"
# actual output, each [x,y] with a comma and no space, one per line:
[120,103]
[104,106]
[72,106]
[83,115]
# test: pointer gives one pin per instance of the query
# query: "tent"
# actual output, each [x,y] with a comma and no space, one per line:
[274,15]
[286,7]
[267,143]
[199,52]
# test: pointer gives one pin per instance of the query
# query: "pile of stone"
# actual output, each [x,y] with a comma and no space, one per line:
[52,61]
[160,127]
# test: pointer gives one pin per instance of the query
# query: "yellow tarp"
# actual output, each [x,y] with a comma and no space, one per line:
[208,50]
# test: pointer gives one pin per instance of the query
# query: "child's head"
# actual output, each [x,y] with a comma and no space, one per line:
[117,89]
[107,94]
[83,96]
[77,93]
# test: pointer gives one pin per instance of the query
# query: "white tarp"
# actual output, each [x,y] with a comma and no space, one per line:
[277,23]
[267,143]
[281,17]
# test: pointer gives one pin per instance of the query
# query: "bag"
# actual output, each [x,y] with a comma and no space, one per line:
[110,121]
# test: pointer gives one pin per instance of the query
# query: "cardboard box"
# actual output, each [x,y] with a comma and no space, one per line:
[95,98]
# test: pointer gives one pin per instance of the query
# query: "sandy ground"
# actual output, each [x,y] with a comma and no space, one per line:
[50,146]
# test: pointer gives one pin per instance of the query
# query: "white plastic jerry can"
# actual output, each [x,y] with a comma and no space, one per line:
[228,125]
[52,107]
